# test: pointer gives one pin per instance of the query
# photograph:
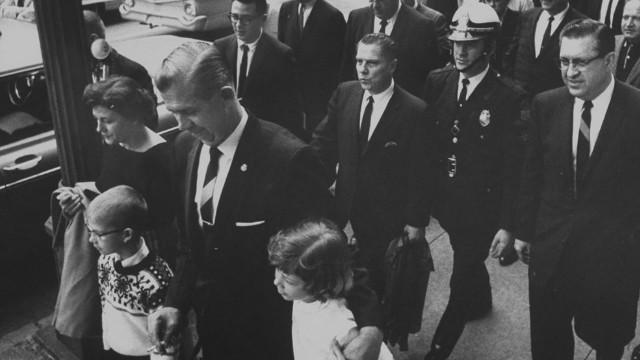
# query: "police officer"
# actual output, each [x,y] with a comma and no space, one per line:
[479,117]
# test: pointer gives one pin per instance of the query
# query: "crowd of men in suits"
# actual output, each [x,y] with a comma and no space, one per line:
[526,140]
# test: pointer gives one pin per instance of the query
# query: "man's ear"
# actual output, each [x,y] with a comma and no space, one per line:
[610,60]
[393,65]
[227,93]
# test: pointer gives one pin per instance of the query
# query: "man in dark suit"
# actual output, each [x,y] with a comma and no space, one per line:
[267,83]
[316,39]
[531,58]
[375,130]
[415,35]
[608,12]
[627,61]
[509,20]
[240,179]
[578,211]
[442,27]
[479,126]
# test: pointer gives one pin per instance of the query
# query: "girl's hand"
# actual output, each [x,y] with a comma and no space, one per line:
[70,201]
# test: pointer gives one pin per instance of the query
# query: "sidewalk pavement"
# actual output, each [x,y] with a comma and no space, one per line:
[501,335]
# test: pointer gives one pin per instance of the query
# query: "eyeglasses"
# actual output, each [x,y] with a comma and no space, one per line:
[100,235]
[578,64]
[242,19]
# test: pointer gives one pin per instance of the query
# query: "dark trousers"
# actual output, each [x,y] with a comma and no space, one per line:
[112,355]
[470,286]
[552,310]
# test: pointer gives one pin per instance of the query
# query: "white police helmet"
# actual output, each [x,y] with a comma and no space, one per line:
[473,21]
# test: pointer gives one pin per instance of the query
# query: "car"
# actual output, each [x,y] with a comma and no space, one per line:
[29,163]
[190,15]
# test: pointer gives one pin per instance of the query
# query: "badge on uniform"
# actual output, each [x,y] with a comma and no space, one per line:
[485,118]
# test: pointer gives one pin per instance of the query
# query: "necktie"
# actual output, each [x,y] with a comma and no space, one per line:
[206,203]
[583,150]
[242,77]
[607,19]
[383,26]
[363,137]
[547,35]
[301,18]
[463,93]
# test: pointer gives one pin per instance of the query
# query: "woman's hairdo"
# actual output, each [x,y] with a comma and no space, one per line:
[122,95]
[317,252]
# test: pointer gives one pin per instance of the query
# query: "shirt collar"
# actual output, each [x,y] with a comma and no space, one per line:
[557,17]
[476,79]
[229,145]
[391,20]
[252,46]
[601,101]
[136,258]
[377,99]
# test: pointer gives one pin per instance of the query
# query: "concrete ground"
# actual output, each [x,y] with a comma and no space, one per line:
[26,334]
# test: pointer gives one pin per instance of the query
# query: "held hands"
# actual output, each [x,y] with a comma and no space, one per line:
[414,234]
[502,241]
[164,328]
[522,248]
[358,345]
[70,200]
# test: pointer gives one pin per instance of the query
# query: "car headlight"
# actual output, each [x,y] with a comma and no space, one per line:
[189,9]
[129,3]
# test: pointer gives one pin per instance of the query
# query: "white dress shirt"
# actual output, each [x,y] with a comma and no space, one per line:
[390,22]
[473,82]
[598,111]
[252,50]
[541,26]
[380,102]
[603,11]
[228,149]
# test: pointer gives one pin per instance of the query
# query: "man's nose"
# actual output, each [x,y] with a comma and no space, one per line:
[183,124]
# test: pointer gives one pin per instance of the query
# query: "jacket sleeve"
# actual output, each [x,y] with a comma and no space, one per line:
[363,302]
[325,139]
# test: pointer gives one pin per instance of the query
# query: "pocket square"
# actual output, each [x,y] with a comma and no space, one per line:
[247,224]
[390,144]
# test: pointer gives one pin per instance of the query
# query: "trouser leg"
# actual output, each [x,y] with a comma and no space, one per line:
[551,328]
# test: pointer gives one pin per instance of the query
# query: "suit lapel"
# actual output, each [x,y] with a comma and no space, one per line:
[562,133]
[259,56]
[389,115]
[295,20]
[352,119]
[242,163]
[634,73]
[191,176]
[312,20]
[399,26]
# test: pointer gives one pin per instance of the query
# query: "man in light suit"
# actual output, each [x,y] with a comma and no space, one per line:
[531,57]
[479,140]
[415,35]
[316,40]
[239,179]
[268,84]
[578,213]
[627,61]
[376,131]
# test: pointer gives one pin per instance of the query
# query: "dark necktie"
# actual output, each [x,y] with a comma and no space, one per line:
[463,93]
[383,26]
[363,137]
[583,150]
[301,18]
[206,206]
[242,77]
[547,35]
[607,19]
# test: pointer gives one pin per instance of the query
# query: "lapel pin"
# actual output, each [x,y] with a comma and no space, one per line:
[243,167]
[485,118]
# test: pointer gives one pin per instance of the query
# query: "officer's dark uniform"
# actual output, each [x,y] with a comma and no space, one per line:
[479,151]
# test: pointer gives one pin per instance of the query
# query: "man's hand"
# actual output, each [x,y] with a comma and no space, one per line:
[414,234]
[164,328]
[522,248]
[502,241]
[70,200]
[365,346]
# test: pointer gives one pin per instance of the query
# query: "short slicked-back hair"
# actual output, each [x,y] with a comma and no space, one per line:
[582,28]
[317,252]
[201,66]
[261,5]
[121,207]
[388,46]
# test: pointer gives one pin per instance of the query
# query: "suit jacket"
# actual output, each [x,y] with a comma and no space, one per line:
[272,88]
[591,8]
[508,27]
[274,181]
[592,238]
[483,190]
[633,78]
[445,7]
[318,52]
[536,74]
[415,35]
[388,186]
[442,30]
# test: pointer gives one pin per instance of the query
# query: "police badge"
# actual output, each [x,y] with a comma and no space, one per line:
[485,118]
